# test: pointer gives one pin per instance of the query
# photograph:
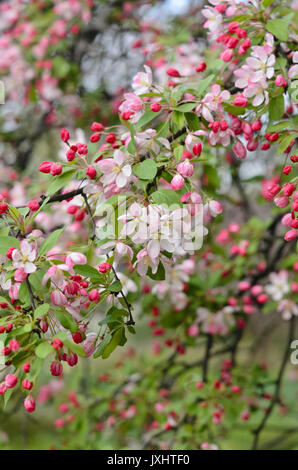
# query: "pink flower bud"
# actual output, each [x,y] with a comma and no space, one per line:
[58,298]
[185,168]
[11,381]
[288,189]
[290,235]
[215,208]
[201,67]
[56,169]
[95,137]
[26,367]
[45,167]
[280,81]
[20,275]
[193,331]
[252,145]
[282,201]
[104,267]
[44,325]
[64,135]
[75,258]
[97,127]
[256,290]
[27,385]
[227,55]
[155,107]
[3,208]
[177,182]
[72,359]
[94,296]
[3,389]
[91,172]
[287,169]
[33,205]
[89,344]
[239,150]
[29,404]
[245,415]
[14,345]
[256,126]
[173,72]
[241,101]
[243,285]
[56,369]
[262,298]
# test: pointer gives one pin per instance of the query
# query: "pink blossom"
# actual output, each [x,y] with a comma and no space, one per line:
[115,170]
[58,298]
[142,82]
[177,182]
[24,257]
[185,168]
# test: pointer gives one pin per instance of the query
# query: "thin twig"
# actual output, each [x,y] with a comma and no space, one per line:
[131,320]
[275,399]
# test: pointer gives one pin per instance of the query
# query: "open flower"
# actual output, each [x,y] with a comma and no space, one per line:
[288,308]
[24,257]
[261,64]
[115,170]
[148,258]
[258,90]
[279,285]
[142,82]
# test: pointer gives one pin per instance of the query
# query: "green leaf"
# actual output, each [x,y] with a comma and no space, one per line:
[145,119]
[24,295]
[235,110]
[118,339]
[205,83]
[7,396]
[75,348]
[88,271]
[284,143]
[102,345]
[279,126]
[178,119]
[59,182]
[41,311]
[109,319]
[50,242]
[115,287]
[276,108]
[160,274]
[267,3]
[185,108]
[66,320]
[43,350]
[166,196]
[145,170]
[7,242]
[193,121]
[178,151]
[61,67]
[278,28]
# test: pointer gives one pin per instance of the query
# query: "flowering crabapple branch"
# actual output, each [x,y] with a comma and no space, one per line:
[146,228]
